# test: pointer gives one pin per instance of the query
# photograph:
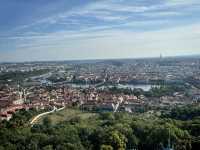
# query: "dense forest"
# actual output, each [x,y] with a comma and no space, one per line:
[104,131]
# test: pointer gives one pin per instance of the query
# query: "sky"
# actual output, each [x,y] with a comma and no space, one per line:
[35,30]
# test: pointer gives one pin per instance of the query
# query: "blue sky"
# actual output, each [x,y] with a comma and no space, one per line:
[89,29]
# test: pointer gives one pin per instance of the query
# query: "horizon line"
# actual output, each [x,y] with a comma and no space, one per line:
[93,59]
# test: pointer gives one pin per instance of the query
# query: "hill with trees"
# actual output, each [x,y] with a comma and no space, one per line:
[102,131]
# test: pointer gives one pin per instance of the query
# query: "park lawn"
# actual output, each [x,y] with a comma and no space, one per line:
[67,114]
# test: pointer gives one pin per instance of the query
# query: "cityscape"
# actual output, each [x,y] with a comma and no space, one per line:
[114,85]
[148,87]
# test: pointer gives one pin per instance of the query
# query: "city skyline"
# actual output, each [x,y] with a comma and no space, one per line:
[98,29]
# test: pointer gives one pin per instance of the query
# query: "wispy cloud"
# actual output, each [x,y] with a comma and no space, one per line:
[115,43]
[119,27]
[113,10]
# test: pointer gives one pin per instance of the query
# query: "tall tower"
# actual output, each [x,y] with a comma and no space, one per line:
[18,86]
[161,56]
[198,69]
[25,95]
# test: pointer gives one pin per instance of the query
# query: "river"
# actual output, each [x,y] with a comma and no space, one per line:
[145,87]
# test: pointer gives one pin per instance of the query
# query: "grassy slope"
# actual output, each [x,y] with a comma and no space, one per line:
[68,114]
